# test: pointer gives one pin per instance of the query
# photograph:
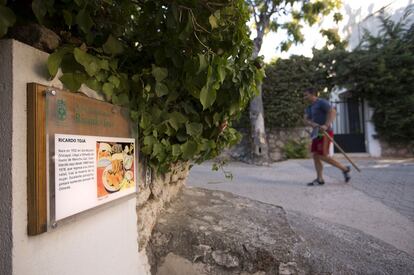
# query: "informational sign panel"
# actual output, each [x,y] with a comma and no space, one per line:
[81,153]
[91,170]
[91,153]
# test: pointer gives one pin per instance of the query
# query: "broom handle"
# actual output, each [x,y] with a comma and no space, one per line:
[340,149]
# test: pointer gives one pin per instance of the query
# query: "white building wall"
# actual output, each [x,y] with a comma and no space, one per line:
[101,241]
[371,141]
[359,16]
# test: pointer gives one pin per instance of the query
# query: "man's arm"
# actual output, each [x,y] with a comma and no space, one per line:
[329,118]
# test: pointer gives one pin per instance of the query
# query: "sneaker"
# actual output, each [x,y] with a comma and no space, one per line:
[347,177]
[316,181]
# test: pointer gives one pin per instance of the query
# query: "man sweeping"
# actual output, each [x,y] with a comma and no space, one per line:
[320,115]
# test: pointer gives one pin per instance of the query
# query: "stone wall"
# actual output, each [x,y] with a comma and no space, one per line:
[210,232]
[155,192]
[277,139]
[398,151]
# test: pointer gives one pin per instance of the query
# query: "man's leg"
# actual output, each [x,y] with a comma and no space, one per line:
[326,158]
[333,162]
[318,166]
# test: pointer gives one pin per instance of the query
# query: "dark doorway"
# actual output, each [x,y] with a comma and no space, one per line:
[349,125]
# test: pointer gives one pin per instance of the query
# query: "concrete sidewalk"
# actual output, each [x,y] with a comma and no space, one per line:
[379,201]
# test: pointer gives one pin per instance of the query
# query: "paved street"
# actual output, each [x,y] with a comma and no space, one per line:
[378,202]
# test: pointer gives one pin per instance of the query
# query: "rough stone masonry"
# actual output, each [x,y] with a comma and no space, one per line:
[213,232]
[210,232]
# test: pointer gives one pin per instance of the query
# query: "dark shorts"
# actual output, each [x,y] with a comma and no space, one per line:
[320,145]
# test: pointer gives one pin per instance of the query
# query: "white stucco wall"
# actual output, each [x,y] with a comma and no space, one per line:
[100,241]
[359,15]
[373,145]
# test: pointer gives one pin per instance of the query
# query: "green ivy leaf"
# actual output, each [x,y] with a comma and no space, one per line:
[92,68]
[206,144]
[101,76]
[40,7]
[114,99]
[73,81]
[149,142]
[175,150]
[67,16]
[84,20]
[161,89]
[145,122]
[169,131]
[93,84]
[55,59]
[113,46]
[189,149]
[194,129]
[108,90]
[202,63]
[207,97]
[166,144]
[159,73]
[177,119]
[216,119]
[221,73]
[114,80]
[89,62]
[123,99]
[159,152]
[113,64]
[104,64]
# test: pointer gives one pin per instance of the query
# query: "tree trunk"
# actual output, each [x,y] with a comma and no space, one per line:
[259,146]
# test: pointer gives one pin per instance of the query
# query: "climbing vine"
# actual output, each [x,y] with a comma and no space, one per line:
[182,67]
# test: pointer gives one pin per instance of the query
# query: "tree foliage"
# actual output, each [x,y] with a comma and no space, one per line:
[381,70]
[283,87]
[182,67]
[290,16]
[296,149]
